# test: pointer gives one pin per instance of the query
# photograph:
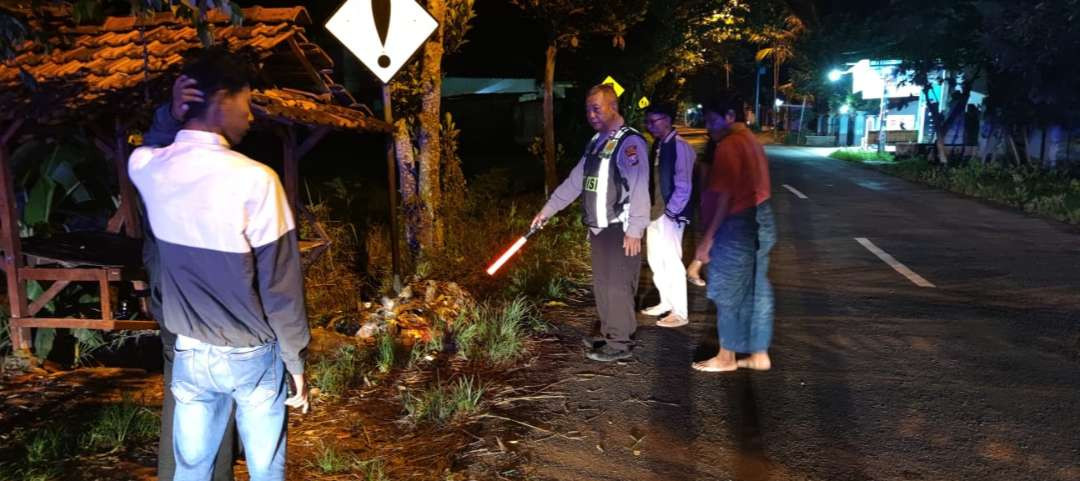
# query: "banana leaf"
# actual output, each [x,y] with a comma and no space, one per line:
[43,341]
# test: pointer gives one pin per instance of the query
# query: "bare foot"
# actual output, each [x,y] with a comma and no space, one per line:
[758,361]
[693,273]
[673,320]
[716,364]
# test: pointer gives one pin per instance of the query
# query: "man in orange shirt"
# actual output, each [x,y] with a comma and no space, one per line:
[739,234]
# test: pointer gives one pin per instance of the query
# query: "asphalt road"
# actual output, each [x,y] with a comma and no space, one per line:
[874,377]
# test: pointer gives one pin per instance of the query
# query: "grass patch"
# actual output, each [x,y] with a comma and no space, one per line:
[45,445]
[498,332]
[341,370]
[117,425]
[30,473]
[385,352]
[331,460]
[443,404]
[372,470]
[46,449]
[858,155]
[1032,189]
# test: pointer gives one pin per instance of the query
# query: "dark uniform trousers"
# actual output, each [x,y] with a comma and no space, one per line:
[615,282]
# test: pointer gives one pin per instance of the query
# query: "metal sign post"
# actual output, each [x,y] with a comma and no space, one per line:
[384,35]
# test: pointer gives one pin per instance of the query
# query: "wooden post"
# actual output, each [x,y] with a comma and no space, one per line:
[11,244]
[127,191]
[292,152]
[290,168]
[392,187]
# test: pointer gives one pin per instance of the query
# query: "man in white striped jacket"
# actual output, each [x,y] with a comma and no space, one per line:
[229,277]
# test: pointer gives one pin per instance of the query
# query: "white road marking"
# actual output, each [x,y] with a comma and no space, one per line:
[892,262]
[796,192]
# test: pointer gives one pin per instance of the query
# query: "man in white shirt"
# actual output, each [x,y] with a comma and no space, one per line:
[228,271]
[672,180]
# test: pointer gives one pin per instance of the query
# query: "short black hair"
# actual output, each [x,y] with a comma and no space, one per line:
[218,68]
[722,104]
[605,89]
[661,108]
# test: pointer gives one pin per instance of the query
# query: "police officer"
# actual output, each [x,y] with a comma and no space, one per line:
[613,180]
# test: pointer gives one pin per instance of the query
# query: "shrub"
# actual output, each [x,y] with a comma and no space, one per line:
[341,370]
[332,283]
[858,155]
[329,460]
[1034,190]
[385,352]
[441,404]
[117,425]
[486,226]
[498,332]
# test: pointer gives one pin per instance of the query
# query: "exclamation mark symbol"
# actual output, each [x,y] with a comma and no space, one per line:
[380,9]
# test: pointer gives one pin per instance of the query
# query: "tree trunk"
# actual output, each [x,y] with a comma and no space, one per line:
[1015,151]
[945,122]
[802,118]
[406,164]
[775,90]
[431,235]
[957,103]
[1027,143]
[551,179]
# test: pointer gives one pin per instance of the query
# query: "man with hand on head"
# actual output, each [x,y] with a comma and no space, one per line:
[613,180]
[168,120]
[229,277]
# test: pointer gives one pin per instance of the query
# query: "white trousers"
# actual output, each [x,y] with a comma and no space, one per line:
[663,246]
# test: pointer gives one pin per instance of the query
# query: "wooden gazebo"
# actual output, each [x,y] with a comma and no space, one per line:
[97,77]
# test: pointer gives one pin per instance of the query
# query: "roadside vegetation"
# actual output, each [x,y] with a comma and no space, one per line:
[43,452]
[1047,193]
[859,155]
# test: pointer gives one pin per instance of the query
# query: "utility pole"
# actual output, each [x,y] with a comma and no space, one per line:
[757,94]
[881,117]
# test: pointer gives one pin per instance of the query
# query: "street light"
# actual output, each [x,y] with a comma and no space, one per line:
[779,102]
[845,109]
[836,74]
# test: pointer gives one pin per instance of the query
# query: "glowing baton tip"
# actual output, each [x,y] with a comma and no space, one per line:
[506,256]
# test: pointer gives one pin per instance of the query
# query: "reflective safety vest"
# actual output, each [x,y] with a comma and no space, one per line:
[605,195]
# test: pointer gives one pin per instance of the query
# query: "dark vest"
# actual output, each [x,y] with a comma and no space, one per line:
[603,192]
[664,157]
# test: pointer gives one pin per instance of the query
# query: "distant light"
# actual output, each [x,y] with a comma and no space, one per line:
[779,102]
[699,106]
[835,74]
[845,109]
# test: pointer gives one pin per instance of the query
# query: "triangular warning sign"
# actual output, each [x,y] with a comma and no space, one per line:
[383,34]
[615,85]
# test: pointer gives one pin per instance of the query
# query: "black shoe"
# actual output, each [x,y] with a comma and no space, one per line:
[607,353]
[592,342]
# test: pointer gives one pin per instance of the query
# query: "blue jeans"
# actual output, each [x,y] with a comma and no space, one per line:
[738,280]
[206,380]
